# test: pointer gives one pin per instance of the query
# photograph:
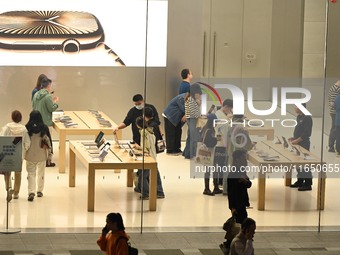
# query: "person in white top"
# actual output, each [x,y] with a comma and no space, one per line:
[242,244]
[15,128]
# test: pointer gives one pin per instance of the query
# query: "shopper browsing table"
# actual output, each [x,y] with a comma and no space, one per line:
[174,118]
[133,114]
[45,103]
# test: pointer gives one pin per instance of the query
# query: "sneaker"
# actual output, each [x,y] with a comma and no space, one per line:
[39,194]
[297,184]
[331,150]
[305,188]
[217,191]
[136,189]
[338,154]
[208,192]
[31,197]
[160,196]
[144,197]
[16,196]
[9,195]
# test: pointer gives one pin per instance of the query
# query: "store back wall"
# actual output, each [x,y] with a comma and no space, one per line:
[80,88]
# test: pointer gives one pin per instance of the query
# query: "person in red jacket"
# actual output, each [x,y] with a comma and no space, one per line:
[113,239]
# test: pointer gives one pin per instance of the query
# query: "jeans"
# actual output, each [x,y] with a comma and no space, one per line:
[192,139]
[332,133]
[144,179]
[337,144]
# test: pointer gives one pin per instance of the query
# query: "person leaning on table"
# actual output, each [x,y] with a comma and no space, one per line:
[242,244]
[302,133]
[133,114]
[174,119]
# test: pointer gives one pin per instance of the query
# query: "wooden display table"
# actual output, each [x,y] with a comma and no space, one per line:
[288,160]
[87,125]
[116,159]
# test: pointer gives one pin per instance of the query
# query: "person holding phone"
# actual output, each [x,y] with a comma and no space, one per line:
[45,103]
[242,244]
[113,239]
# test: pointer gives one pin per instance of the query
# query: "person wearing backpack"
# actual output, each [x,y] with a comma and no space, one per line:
[157,131]
[113,239]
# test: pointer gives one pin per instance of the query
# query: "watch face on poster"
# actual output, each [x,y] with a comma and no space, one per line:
[68,32]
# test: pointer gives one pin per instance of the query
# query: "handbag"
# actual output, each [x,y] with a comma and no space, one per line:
[204,155]
[160,146]
[131,250]
[232,228]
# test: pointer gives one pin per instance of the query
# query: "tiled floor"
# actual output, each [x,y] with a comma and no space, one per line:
[265,243]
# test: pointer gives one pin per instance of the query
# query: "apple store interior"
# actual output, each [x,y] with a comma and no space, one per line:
[274,52]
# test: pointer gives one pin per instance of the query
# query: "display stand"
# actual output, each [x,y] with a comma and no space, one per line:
[10,158]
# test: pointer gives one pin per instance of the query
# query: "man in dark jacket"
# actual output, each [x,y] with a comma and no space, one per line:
[238,183]
[133,114]
[174,118]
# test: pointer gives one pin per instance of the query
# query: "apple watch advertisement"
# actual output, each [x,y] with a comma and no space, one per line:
[78,33]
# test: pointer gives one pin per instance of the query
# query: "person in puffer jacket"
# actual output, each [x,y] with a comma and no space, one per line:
[37,154]
[15,128]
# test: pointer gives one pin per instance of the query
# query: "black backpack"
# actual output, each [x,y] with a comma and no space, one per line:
[132,250]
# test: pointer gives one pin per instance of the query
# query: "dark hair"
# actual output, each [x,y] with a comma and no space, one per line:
[116,217]
[41,76]
[185,72]
[45,82]
[140,122]
[148,112]
[228,102]
[35,124]
[16,116]
[238,116]
[137,97]
[238,154]
[195,89]
[247,223]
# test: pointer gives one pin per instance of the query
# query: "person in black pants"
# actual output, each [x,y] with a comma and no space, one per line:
[302,133]
[238,185]
[174,118]
[133,114]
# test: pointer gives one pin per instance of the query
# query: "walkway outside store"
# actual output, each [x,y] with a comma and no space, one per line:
[266,243]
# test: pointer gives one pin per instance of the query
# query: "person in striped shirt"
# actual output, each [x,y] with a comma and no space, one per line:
[192,106]
[332,93]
